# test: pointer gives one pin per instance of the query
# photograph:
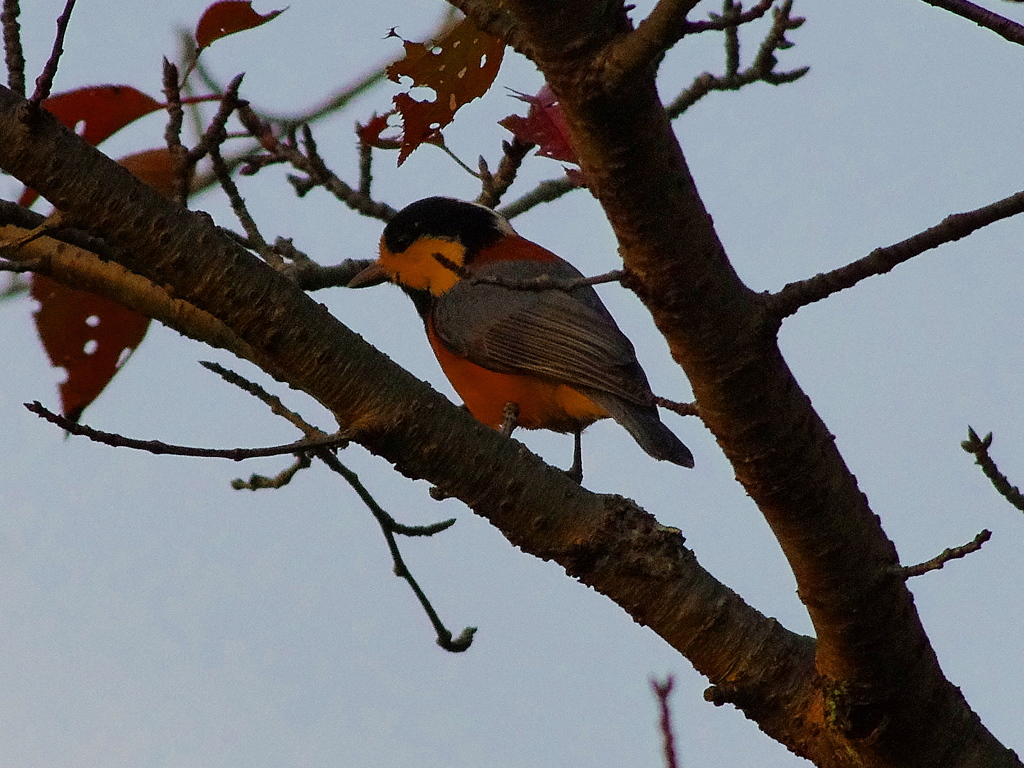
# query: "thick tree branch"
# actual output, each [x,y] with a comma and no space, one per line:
[880,683]
[881,260]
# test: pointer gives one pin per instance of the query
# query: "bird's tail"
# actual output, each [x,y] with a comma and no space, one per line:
[646,427]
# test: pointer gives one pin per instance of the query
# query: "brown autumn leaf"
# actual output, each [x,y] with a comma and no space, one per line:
[90,337]
[459,67]
[87,335]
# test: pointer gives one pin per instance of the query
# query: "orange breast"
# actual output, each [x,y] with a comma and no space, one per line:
[542,404]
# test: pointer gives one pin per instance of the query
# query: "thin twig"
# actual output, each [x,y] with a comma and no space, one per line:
[280,480]
[314,277]
[544,192]
[761,70]
[388,525]
[539,283]
[271,401]
[19,266]
[161,448]
[881,260]
[44,83]
[953,553]
[979,447]
[14,55]
[683,409]
[365,168]
[389,528]
[1002,26]
[172,133]
[722,22]
[663,690]
[311,164]
[252,231]
[495,186]
[216,133]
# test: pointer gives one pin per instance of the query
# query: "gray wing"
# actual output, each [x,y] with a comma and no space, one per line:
[567,337]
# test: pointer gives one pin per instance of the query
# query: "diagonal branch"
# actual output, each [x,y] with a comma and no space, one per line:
[881,260]
[1002,26]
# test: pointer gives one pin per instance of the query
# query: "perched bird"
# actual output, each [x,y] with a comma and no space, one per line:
[540,359]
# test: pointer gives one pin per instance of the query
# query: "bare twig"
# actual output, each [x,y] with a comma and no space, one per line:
[1002,26]
[271,401]
[683,409]
[495,186]
[216,133]
[311,164]
[161,448]
[881,260]
[722,22]
[313,277]
[252,231]
[663,690]
[544,192]
[953,553]
[172,133]
[19,266]
[14,55]
[44,83]
[539,283]
[979,447]
[280,480]
[389,527]
[761,70]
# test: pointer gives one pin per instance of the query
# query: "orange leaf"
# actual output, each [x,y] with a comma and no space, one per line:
[227,17]
[87,335]
[155,167]
[459,68]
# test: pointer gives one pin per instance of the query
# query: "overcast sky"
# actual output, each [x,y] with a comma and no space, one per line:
[152,616]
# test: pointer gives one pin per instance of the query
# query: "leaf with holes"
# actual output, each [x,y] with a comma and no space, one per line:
[459,67]
[90,337]
[227,17]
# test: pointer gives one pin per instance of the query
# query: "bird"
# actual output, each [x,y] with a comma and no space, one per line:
[518,355]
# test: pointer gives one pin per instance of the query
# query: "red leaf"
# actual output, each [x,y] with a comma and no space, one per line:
[104,109]
[227,17]
[459,68]
[87,335]
[544,125]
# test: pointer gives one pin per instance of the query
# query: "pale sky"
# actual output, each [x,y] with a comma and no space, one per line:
[152,616]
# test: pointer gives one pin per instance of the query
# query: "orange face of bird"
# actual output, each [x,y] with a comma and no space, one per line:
[429,264]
